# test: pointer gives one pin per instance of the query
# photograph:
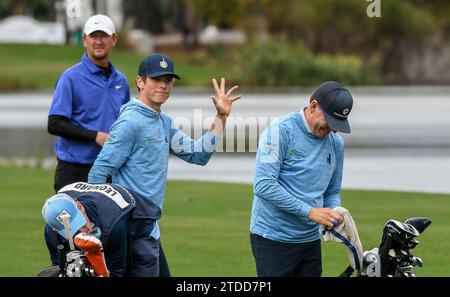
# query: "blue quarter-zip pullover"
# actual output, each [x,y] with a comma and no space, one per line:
[294,172]
[136,153]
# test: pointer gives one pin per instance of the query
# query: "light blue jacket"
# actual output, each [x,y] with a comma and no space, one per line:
[136,153]
[294,172]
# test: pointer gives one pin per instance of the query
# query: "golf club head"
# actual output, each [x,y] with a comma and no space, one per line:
[52,271]
[405,271]
[397,235]
[416,261]
[420,223]
[413,243]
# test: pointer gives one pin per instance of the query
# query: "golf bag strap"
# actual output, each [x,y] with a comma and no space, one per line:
[350,246]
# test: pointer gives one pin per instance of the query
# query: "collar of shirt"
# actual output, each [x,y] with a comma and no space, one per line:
[146,106]
[94,68]
[305,122]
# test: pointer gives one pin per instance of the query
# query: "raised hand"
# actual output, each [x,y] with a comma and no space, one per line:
[223,101]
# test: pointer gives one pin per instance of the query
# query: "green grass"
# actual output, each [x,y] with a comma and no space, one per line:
[205,226]
[37,67]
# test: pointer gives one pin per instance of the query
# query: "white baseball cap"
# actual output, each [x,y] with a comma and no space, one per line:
[99,22]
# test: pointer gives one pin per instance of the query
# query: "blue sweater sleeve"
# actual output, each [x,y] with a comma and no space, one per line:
[269,159]
[196,152]
[331,197]
[114,153]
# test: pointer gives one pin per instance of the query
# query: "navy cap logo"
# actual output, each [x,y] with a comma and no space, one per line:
[163,64]
[157,65]
[345,111]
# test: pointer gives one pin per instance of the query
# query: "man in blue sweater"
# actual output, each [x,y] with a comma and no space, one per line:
[136,154]
[297,181]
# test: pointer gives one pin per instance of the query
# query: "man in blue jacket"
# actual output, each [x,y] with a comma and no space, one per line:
[136,154]
[297,181]
[120,218]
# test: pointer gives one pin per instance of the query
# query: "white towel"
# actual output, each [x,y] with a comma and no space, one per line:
[348,234]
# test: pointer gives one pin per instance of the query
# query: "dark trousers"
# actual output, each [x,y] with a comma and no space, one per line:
[145,264]
[145,253]
[282,259]
[67,173]
[163,266]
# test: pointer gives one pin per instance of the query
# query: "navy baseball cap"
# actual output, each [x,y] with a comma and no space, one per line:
[58,205]
[157,65]
[336,104]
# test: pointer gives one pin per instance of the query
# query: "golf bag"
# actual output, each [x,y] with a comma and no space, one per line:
[393,257]
[71,264]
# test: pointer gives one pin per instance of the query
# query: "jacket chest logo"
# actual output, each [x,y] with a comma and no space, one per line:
[148,138]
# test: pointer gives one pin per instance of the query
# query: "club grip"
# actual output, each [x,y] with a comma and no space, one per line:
[61,257]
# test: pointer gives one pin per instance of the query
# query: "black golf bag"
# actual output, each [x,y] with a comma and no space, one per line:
[71,264]
[393,257]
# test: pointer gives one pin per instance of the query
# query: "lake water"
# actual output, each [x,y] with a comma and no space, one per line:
[398,169]
[400,136]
